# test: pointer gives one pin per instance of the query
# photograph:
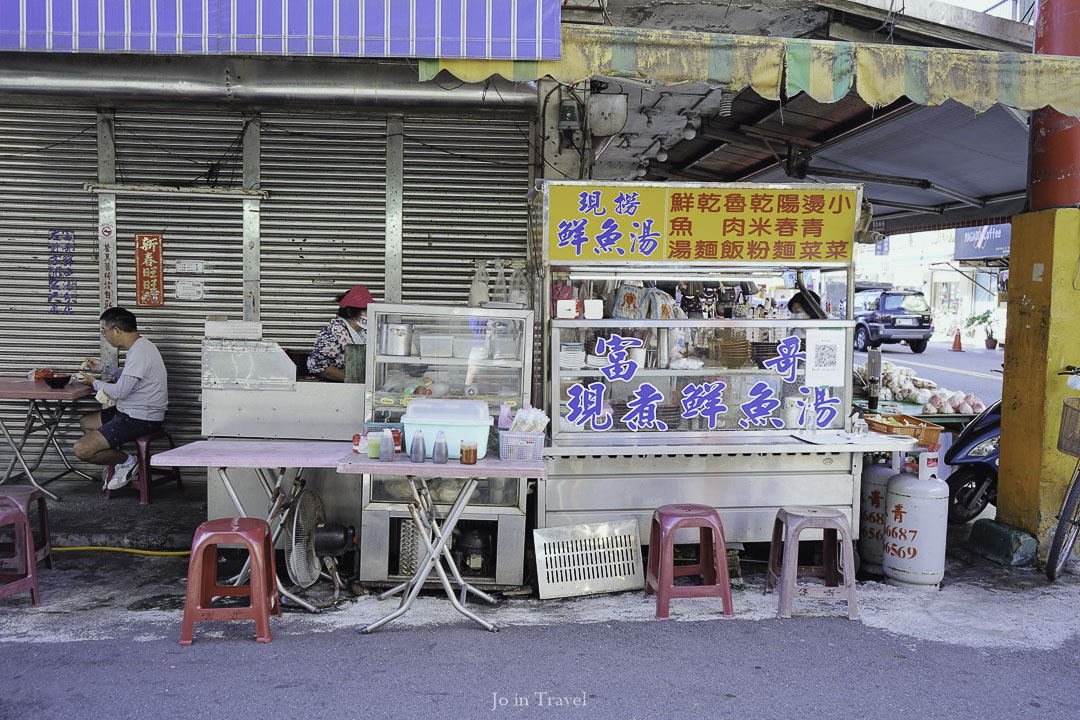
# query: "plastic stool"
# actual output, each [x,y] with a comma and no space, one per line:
[712,557]
[23,496]
[26,578]
[790,522]
[148,477]
[202,584]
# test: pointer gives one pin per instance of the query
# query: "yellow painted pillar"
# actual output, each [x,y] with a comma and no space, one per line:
[1043,335]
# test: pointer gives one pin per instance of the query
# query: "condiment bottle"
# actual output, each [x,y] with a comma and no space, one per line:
[439,453]
[416,447]
[386,446]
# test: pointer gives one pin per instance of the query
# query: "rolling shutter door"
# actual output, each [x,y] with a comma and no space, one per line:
[465,183]
[323,226]
[181,149]
[46,154]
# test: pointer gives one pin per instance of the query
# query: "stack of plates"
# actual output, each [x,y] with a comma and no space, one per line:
[762,351]
[572,355]
[596,361]
[734,353]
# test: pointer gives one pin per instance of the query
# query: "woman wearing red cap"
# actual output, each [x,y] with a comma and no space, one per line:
[327,359]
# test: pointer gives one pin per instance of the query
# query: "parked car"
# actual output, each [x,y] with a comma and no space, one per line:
[892,316]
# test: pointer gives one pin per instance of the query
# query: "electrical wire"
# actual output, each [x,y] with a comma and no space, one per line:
[88,128]
[133,551]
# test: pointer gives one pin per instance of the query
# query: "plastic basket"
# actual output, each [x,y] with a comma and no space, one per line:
[1069,434]
[521,446]
[925,433]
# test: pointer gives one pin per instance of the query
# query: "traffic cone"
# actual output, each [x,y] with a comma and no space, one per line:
[956,347]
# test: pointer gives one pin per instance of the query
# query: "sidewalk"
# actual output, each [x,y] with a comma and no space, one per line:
[106,595]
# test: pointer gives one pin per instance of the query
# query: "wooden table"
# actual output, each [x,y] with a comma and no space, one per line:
[40,416]
[435,536]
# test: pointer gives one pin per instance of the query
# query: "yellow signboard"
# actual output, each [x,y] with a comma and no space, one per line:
[593,223]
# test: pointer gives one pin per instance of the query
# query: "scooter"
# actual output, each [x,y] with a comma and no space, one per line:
[974,457]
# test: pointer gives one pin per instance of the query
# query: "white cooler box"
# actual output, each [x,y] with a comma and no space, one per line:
[458,419]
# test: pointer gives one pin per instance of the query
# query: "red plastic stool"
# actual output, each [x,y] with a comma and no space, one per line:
[23,496]
[712,557]
[25,579]
[790,522]
[148,477]
[202,577]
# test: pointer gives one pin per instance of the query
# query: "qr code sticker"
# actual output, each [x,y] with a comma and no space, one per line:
[825,355]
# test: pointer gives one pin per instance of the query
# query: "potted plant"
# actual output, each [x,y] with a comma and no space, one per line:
[984,320]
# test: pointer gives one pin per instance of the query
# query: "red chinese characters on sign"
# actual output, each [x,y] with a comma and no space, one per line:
[149,279]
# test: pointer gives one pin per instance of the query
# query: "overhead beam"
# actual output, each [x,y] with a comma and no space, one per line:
[944,22]
[921,183]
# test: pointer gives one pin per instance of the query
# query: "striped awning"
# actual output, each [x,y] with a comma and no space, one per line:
[513,30]
[827,71]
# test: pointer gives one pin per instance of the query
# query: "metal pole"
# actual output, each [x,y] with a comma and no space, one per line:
[1055,138]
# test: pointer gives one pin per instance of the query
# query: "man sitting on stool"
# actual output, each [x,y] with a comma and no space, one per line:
[140,391]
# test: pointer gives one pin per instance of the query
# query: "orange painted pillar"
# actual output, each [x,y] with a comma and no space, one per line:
[1054,177]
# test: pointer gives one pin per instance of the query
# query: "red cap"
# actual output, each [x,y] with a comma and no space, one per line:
[358,297]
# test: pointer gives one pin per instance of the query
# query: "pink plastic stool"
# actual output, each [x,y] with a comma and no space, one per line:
[712,557]
[148,477]
[202,585]
[26,579]
[790,522]
[23,497]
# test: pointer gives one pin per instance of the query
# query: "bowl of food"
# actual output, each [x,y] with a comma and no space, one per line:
[57,381]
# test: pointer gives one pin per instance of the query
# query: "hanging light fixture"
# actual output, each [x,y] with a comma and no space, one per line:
[661,154]
[643,167]
[689,131]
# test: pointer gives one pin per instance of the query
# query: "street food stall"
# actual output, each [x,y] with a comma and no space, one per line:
[669,374]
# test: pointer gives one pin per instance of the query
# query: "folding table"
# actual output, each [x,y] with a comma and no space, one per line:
[39,416]
[261,456]
[435,536]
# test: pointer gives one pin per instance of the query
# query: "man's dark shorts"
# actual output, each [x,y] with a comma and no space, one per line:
[119,428]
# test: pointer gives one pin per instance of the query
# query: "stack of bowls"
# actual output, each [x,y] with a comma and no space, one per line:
[572,356]
[762,351]
[734,353]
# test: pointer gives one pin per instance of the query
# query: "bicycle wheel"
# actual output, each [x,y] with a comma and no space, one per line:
[1067,529]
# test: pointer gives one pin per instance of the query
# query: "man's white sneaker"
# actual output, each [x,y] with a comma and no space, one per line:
[123,475]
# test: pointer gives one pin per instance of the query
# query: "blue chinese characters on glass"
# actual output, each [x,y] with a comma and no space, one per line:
[705,400]
[586,406]
[619,366]
[759,409]
[787,360]
[641,409]
[825,407]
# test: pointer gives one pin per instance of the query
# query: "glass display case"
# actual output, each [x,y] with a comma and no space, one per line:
[419,351]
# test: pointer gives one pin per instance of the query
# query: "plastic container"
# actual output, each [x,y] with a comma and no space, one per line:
[521,446]
[440,453]
[416,447]
[925,433]
[386,446]
[435,346]
[459,420]
[472,347]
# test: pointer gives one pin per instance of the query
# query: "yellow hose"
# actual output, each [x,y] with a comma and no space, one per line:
[124,550]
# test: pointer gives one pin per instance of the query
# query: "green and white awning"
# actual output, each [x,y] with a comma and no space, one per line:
[827,71]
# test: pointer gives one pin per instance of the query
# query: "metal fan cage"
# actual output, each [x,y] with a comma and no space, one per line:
[300,558]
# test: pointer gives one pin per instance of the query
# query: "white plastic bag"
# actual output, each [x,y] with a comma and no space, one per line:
[499,291]
[519,287]
[478,291]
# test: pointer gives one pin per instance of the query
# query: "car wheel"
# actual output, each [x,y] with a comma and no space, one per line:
[917,346]
[862,339]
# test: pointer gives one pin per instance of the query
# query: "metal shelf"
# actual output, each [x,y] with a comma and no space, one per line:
[410,360]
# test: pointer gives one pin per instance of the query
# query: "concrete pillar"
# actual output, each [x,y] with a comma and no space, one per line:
[1054,177]
[1044,304]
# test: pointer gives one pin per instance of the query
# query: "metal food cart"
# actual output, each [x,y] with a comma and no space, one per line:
[740,408]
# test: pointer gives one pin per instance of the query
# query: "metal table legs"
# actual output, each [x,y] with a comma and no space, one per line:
[423,516]
[49,424]
[276,514]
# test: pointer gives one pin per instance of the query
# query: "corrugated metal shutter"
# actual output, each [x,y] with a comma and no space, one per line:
[174,148]
[46,154]
[323,227]
[465,183]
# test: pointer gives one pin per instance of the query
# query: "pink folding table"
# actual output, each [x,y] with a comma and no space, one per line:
[45,408]
[435,536]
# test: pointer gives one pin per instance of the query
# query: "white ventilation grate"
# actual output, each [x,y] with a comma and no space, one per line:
[588,559]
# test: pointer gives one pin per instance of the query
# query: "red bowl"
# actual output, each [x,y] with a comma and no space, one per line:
[57,382]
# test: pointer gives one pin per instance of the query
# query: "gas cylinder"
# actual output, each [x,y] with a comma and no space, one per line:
[875,480]
[916,518]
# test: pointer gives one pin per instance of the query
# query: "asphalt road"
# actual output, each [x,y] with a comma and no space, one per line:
[970,370]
